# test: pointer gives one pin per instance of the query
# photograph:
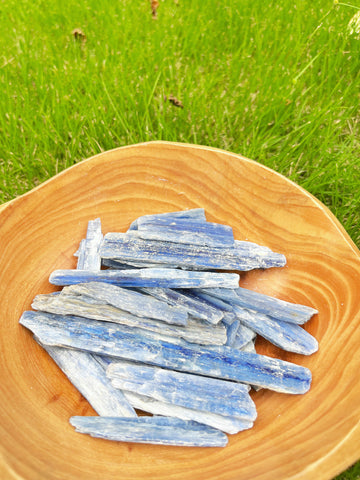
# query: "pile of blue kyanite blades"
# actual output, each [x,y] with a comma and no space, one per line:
[147,322]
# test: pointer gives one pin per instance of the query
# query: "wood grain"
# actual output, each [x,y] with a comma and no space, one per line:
[314,436]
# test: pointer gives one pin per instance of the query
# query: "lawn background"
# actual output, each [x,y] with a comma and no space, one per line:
[277,82]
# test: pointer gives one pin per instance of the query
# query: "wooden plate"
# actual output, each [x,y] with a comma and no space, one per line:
[312,436]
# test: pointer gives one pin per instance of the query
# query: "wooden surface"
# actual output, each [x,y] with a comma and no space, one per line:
[313,436]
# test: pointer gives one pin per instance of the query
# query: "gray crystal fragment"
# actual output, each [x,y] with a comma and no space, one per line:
[195,214]
[147,277]
[154,430]
[88,253]
[138,345]
[184,389]
[278,309]
[288,336]
[242,256]
[88,377]
[180,231]
[94,309]
[194,306]
[130,301]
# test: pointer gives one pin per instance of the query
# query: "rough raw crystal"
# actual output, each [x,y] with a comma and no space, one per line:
[224,423]
[155,430]
[278,309]
[288,336]
[195,214]
[243,256]
[189,232]
[196,331]
[130,301]
[138,345]
[147,277]
[88,253]
[184,389]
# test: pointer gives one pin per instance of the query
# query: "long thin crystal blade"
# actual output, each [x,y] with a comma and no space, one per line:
[147,277]
[154,430]
[133,302]
[194,233]
[278,309]
[134,344]
[88,253]
[179,388]
[195,214]
[243,256]
[288,336]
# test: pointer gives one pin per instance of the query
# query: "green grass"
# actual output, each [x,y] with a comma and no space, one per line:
[275,81]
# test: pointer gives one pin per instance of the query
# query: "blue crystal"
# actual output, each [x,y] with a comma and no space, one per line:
[88,253]
[123,265]
[210,300]
[189,232]
[191,391]
[195,214]
[278,309]
[221,422]
[154,430]
[288,336]
[242,256]
[147,277]
[135,344]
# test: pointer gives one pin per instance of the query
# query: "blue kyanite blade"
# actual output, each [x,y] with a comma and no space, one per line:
[242,256]
[278,309]
[155,430]
[179,388]
[147,277]
[195,214]
[180,231]
[135,344]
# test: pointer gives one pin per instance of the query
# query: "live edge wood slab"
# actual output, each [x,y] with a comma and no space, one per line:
[302,437]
